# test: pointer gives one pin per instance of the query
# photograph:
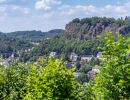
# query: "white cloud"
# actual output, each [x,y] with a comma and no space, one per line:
[63,7]
[116,9]
[23,10]
[46,4]
[58,17]
[91,10]
[13,9]
[68,12]
[77,9]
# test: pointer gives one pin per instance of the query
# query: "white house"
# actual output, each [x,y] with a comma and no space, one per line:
[52,54]
[99,55]
[73,56]
[5,62]
[86,58]
[77,74]
[15,55]
[94,71]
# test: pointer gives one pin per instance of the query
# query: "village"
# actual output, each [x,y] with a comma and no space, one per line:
[8,58]
[75,60]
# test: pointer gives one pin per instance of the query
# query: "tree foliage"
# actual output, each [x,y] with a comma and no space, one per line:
[113,80]
[44,80]
[12,82]
[63,47]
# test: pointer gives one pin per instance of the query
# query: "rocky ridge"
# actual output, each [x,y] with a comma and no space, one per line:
[91,27]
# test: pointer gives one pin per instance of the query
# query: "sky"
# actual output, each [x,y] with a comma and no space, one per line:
[44,15]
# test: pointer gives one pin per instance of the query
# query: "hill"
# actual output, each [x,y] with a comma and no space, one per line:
[9,45]
[80,36]
[35,35]
[91,27]
[23,40]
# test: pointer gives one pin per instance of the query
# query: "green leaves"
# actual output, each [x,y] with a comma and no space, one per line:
[12,85]
[54,82]
[44,80]
[113,81]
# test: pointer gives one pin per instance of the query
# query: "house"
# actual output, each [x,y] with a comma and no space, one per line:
[76,74]
[5,62]
[39,58]
[6,55]
[70,65]
[15,55]
[74,57]
[2,62]
[94,71]
[86,58]
[53,54]
[35,43]
[99,55]
[28,50]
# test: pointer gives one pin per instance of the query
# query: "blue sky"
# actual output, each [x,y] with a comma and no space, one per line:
[44,15]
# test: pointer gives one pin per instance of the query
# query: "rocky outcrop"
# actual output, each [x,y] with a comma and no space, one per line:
[91,27]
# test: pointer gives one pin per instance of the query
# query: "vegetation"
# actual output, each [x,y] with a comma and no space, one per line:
[34,36]
[23,40]
[82,42]
[90,28]
[106,21]
[49,80]
[63,47]
[113,80]
[8,45]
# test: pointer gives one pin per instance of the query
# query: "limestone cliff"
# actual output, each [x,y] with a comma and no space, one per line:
[91,27]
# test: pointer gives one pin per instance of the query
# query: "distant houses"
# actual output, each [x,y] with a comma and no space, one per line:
[74,57]
[53,54]
[8,58]
[86,58]
[11,55]
[76,74]
[35,43]
[6,55]
[15,55]
[93,72]
[5,62]
[80,59]
[99,55]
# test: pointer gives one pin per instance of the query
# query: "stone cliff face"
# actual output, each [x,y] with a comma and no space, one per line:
[80,29]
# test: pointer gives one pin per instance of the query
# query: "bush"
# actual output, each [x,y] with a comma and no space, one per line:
[44,80]
[113,80]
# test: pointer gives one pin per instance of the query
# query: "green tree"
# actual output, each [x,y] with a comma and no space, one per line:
[12,82]
[113,80]
[48,79]
[53,81]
